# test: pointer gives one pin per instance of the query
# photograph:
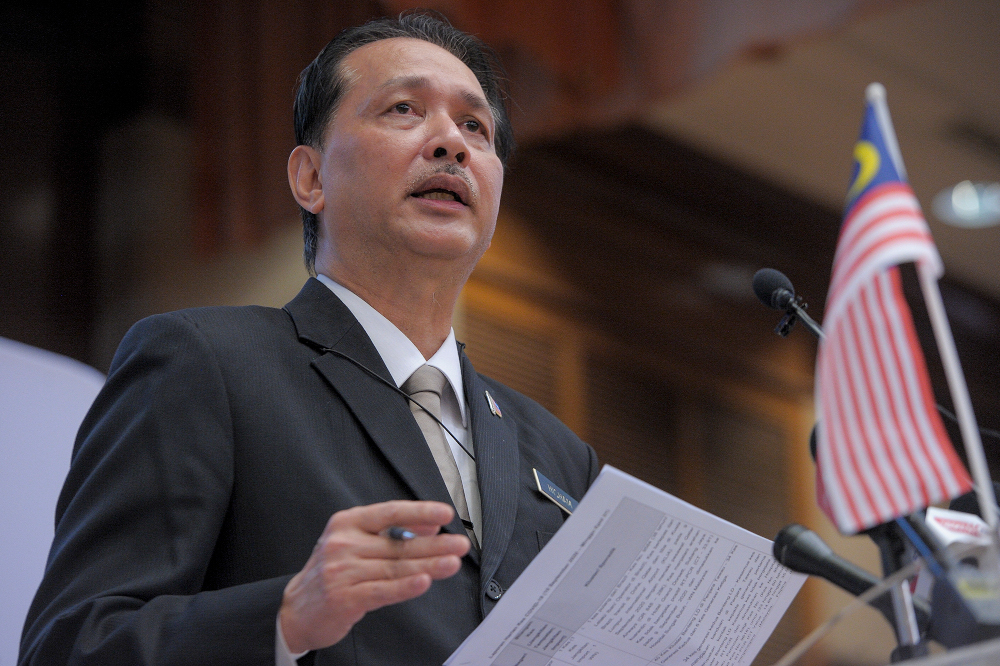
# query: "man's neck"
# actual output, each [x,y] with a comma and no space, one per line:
[421,309]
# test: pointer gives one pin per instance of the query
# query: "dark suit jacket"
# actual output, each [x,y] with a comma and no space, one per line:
[212,460]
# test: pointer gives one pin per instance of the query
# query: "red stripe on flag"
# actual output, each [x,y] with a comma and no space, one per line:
[901,196]
[879,314]
[859,381]
[862,262]
[856,227]
[872,196]
[858,232]
[887,307]
[877,382]
[848,467]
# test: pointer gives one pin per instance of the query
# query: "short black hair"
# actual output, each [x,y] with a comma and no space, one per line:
[322,85]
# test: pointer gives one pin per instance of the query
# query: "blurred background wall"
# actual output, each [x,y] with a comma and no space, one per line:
[667,151]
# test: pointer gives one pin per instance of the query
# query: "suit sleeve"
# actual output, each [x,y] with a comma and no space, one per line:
[138,518]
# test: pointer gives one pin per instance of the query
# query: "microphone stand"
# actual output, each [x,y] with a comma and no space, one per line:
[795,310]
[892,548]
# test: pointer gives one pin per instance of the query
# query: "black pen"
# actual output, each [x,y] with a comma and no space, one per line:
[399,533]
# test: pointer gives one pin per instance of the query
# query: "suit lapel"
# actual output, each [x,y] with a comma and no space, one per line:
[497,464]
[324,321]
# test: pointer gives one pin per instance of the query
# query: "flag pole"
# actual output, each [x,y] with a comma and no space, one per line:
[960,396]
[875,94]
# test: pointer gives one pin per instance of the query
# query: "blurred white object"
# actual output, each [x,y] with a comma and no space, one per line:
[43,399]
[954,526]
[950,527]
[969,204]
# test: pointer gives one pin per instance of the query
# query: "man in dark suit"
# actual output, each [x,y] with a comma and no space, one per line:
[236,485]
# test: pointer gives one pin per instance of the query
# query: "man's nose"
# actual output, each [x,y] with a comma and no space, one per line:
[447,142]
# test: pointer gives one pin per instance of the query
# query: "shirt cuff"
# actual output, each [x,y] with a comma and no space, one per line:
[282,655]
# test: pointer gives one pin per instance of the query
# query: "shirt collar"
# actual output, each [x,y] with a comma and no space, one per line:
[400,355]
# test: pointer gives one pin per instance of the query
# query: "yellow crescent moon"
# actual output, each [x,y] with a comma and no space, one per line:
[867,157]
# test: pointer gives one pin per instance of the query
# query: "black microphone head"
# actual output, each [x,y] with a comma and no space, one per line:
[773,288]
[800,549]
[784,539]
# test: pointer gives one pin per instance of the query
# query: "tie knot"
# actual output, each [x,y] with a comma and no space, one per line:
[426,378]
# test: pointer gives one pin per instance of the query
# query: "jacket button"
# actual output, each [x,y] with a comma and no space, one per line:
[493,590]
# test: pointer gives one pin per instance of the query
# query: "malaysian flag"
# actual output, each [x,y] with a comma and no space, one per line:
[882,451]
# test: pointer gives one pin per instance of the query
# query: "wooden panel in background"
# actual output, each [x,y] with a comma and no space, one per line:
[723,450]
[247,61]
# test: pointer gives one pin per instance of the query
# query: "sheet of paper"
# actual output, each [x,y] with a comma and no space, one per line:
[637,576]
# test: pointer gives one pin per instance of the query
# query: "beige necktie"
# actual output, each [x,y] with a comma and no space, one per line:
[425,386]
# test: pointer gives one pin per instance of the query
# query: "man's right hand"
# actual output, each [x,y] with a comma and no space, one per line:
[355,569]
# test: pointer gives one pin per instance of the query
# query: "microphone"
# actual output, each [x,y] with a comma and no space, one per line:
[802,550]
[775,290]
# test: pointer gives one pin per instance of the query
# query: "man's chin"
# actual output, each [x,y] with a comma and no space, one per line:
[461,251]
[443,238]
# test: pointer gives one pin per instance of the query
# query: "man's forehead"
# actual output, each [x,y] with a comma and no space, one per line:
[404,62]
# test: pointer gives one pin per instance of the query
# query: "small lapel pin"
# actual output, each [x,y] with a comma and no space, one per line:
[493,405]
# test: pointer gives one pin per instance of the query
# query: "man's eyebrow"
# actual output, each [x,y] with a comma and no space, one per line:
[405,81]
[415,81]
[477,102]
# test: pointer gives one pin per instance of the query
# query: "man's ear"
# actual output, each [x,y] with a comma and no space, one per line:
[304,178]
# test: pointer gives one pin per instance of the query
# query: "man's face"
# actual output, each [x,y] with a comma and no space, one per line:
[408,165]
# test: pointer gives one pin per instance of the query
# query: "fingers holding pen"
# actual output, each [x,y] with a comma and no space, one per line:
[421,518]
[355,568]
[409,531]
[339,573]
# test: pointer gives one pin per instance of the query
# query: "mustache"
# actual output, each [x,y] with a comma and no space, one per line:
[453,169]
[450,169]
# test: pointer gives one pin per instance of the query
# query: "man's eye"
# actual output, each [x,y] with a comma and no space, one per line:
[402,107]
[475,126]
